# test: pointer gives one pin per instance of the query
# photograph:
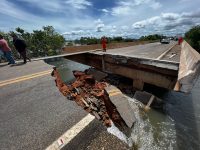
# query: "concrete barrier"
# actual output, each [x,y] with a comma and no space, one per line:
[189,68]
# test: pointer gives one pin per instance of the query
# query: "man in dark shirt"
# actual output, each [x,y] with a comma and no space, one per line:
[20,46]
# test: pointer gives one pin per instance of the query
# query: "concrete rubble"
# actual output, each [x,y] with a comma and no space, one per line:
[100,99]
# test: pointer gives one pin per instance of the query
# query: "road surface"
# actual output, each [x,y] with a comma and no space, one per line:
[33,113]
[152,50]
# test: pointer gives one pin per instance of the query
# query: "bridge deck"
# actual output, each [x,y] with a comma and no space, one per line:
[142,63]
[149,51]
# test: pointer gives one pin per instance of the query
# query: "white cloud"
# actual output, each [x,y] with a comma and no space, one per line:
[155,5]
[113,29]
[66,33]
[170,16]
[77,32]
[168,22]
[79,4]
[59,5]
[13,16]
[100,27]
[105,10]
[139,24]
[11,10]
[126,18]
[50,6]
[144,23]
[153,20]
[195,14]
[123,8]
[164,23]
[126,7]
[98,21]
[124,27]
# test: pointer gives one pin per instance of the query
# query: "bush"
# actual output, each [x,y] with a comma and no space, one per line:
[151,37]
[193,37]
[45,42]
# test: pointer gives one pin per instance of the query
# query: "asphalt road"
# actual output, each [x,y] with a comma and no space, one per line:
[33,114]
[9,72]
[151,50]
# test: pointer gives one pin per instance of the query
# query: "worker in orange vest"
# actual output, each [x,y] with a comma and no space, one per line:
[180,40]
[103,42]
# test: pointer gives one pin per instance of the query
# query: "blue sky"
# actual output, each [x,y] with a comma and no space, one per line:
[76,18]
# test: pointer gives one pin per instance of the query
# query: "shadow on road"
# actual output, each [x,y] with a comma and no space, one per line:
[18,64]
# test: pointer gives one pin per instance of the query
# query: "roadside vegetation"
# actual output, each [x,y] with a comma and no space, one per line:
[193,37]
[152,37]
[48,42]
[44,42]
[94,40]
[118,39]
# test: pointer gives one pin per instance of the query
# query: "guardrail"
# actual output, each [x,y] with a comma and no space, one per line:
[189,68]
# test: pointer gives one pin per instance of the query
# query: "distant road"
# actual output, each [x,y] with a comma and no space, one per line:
[151,50]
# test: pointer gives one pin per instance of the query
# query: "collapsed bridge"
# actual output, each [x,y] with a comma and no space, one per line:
[170,66]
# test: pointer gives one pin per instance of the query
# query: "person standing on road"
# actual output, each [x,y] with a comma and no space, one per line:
[103,42]
[6,50]
[180,40]
[20,46]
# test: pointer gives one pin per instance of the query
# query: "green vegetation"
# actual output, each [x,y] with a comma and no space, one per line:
[45,42]
[151,37]
[193,37]
[93,40]
[118,39]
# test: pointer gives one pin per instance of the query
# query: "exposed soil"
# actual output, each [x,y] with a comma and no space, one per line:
[92,96]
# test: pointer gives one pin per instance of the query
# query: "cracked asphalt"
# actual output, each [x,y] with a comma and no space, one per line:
[33,114]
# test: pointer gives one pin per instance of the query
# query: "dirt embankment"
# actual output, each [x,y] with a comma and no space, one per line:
[72,49]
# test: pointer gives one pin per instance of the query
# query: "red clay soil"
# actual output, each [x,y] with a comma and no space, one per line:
[72,49]
[91,96]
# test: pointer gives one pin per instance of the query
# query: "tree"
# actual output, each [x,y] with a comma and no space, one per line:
[19,30]
[45,42]
[193,37]
[117,39]
[151,37]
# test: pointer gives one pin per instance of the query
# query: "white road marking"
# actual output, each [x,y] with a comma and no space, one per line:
[165,52]
[71,133]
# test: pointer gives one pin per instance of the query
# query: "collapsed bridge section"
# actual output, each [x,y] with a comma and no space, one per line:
[142,70]
[173,67]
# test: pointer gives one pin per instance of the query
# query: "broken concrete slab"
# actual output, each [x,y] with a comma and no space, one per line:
[145,97]
[98,75]
[91,95]
[142,96]
[122,105]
